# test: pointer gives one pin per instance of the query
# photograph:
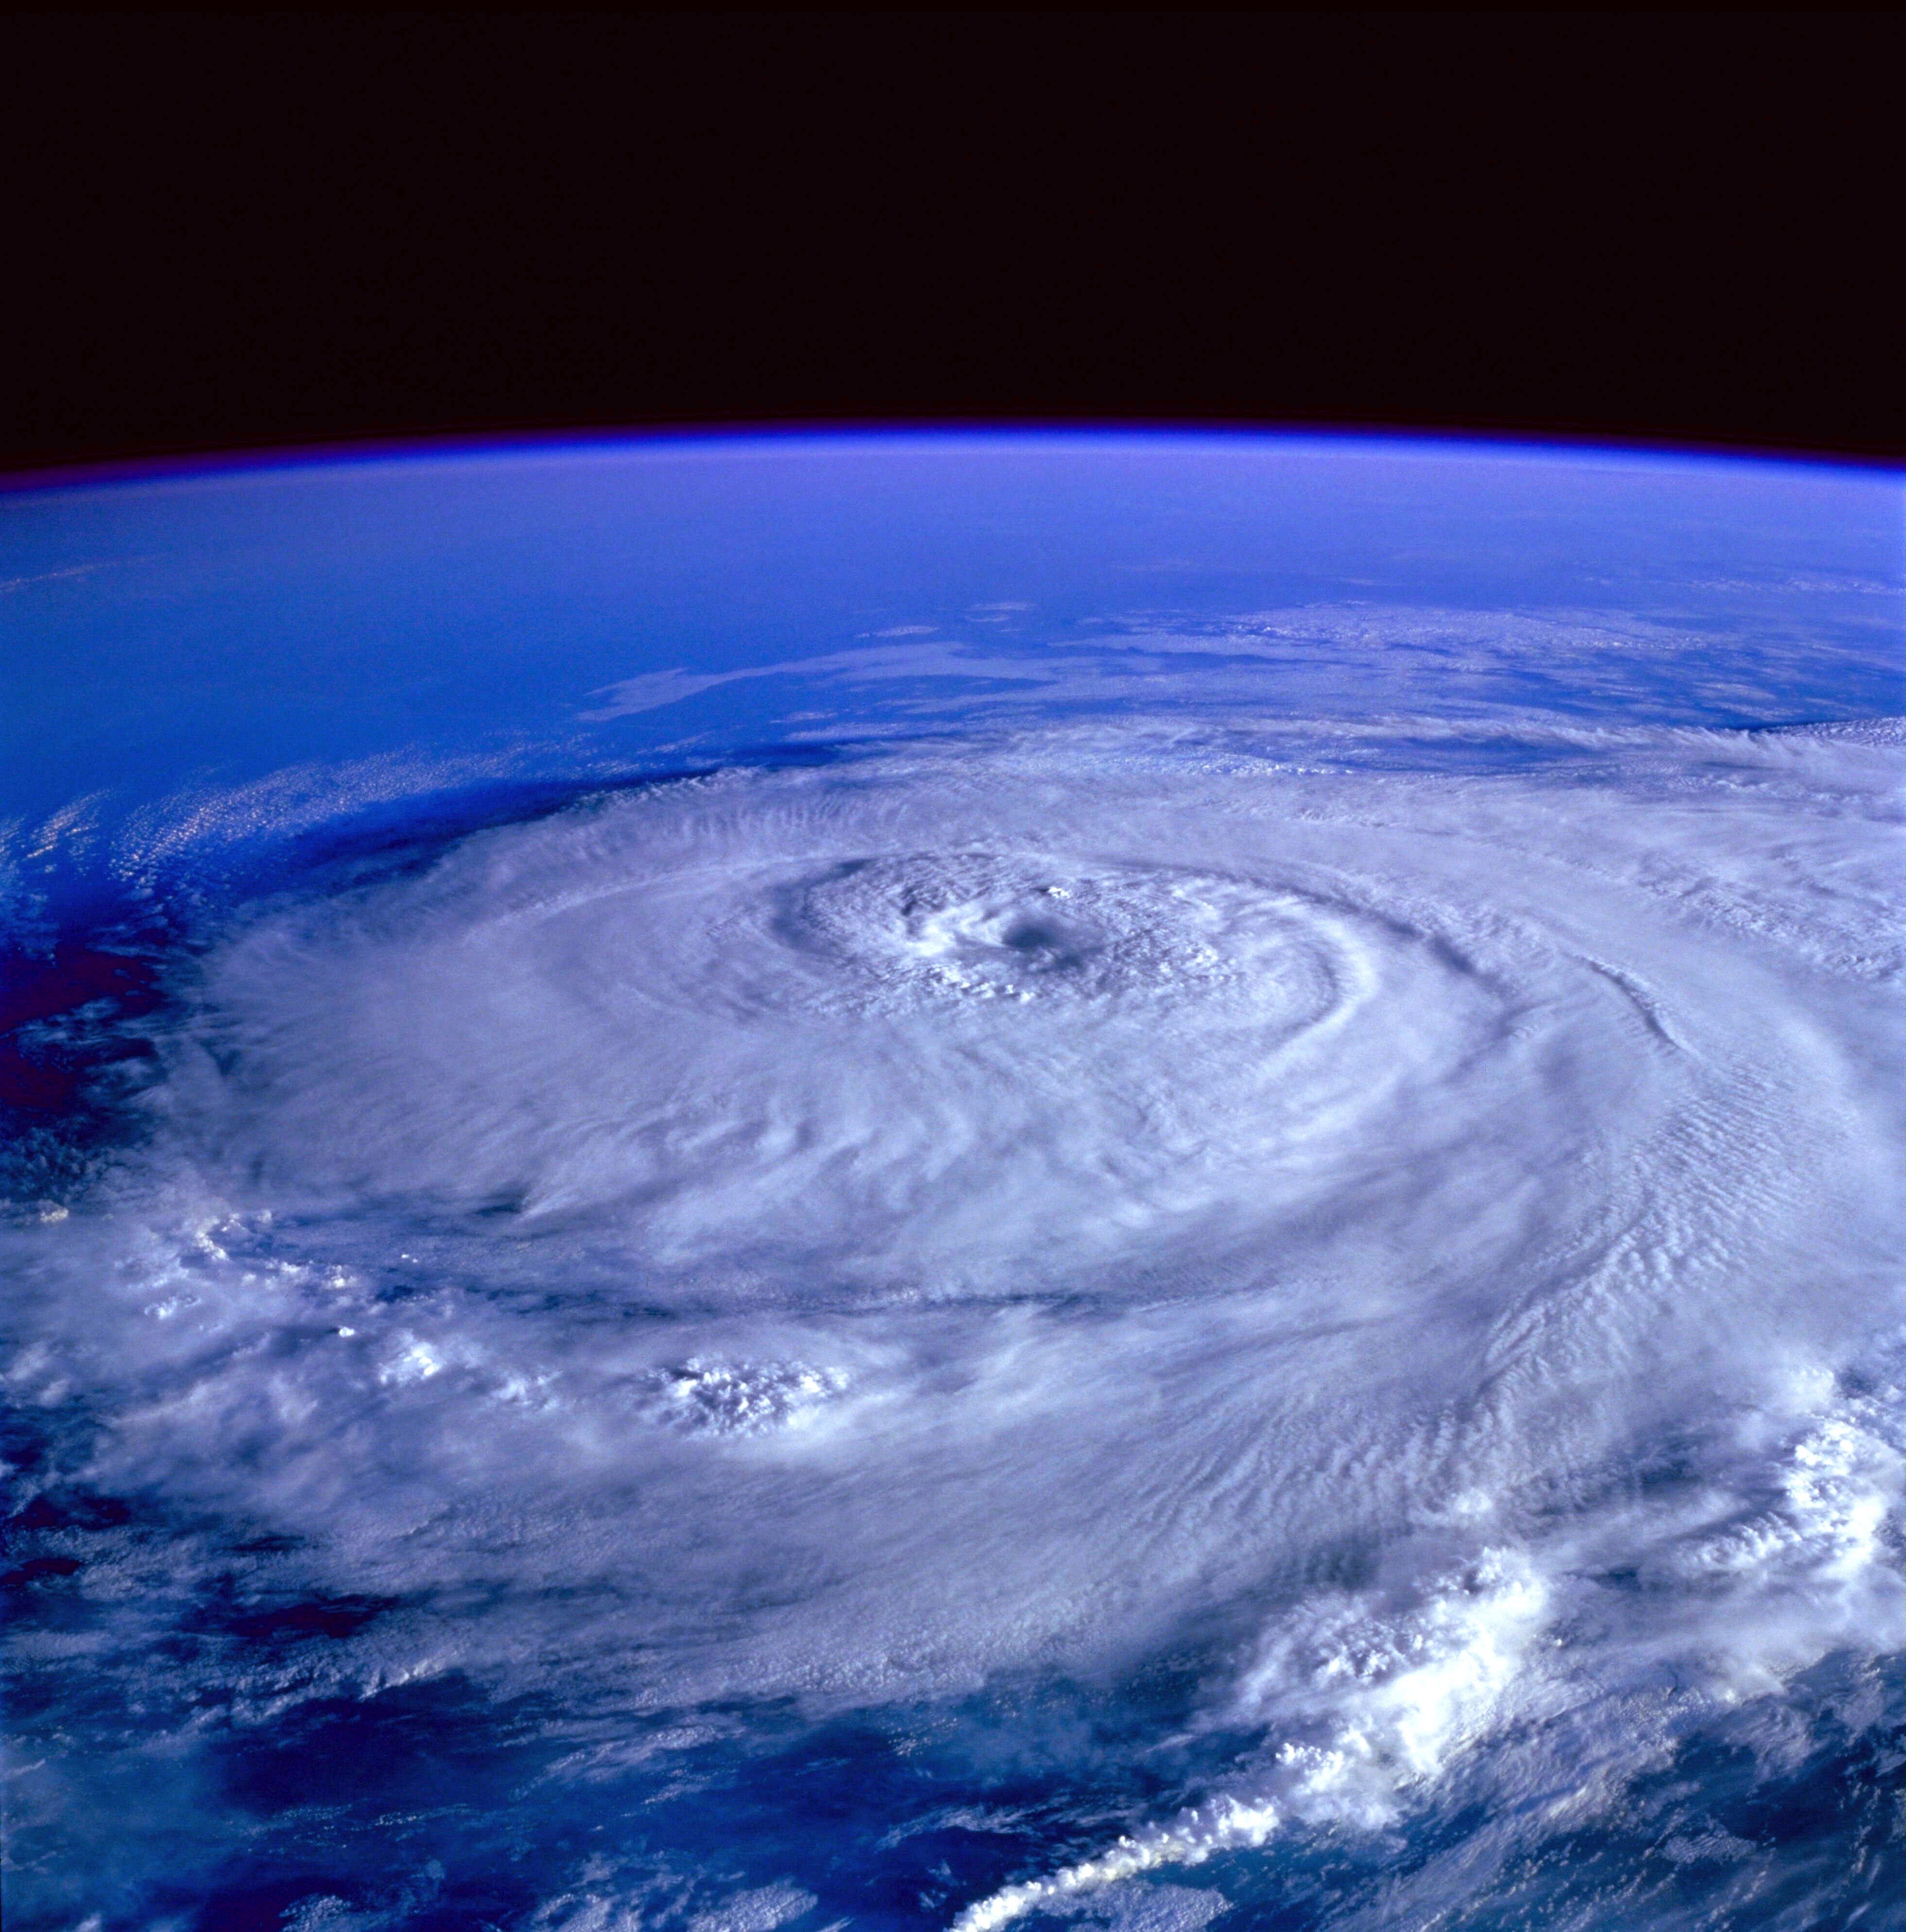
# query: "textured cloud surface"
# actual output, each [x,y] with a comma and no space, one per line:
[1315,1304]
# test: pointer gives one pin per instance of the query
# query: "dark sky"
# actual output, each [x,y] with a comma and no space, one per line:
[245,229]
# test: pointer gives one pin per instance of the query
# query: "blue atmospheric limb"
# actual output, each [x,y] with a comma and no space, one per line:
[929,1181]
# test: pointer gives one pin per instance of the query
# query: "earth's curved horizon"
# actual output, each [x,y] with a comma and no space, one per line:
[902,1180]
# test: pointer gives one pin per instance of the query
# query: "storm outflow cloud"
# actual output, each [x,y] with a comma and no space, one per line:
[1390,1232]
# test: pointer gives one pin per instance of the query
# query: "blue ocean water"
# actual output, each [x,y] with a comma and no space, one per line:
[916,1180]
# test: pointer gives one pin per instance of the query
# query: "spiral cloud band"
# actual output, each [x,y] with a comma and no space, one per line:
[1369,1254]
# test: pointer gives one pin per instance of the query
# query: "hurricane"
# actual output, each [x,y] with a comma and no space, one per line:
[1152,1313]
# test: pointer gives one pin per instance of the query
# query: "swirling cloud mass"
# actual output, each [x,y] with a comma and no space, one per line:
[1123,1319]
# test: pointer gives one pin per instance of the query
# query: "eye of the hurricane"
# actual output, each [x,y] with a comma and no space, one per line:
[995,941]
[1044,943]
[991,928]
[987,949]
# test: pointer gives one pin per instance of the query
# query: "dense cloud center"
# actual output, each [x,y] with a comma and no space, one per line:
[763,1019]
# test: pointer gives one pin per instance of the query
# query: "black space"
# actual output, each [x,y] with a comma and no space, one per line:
[253,229]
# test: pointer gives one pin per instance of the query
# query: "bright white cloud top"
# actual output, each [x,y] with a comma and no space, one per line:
[1131,1295]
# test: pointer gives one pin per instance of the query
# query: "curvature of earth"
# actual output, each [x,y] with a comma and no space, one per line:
[921,1181]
